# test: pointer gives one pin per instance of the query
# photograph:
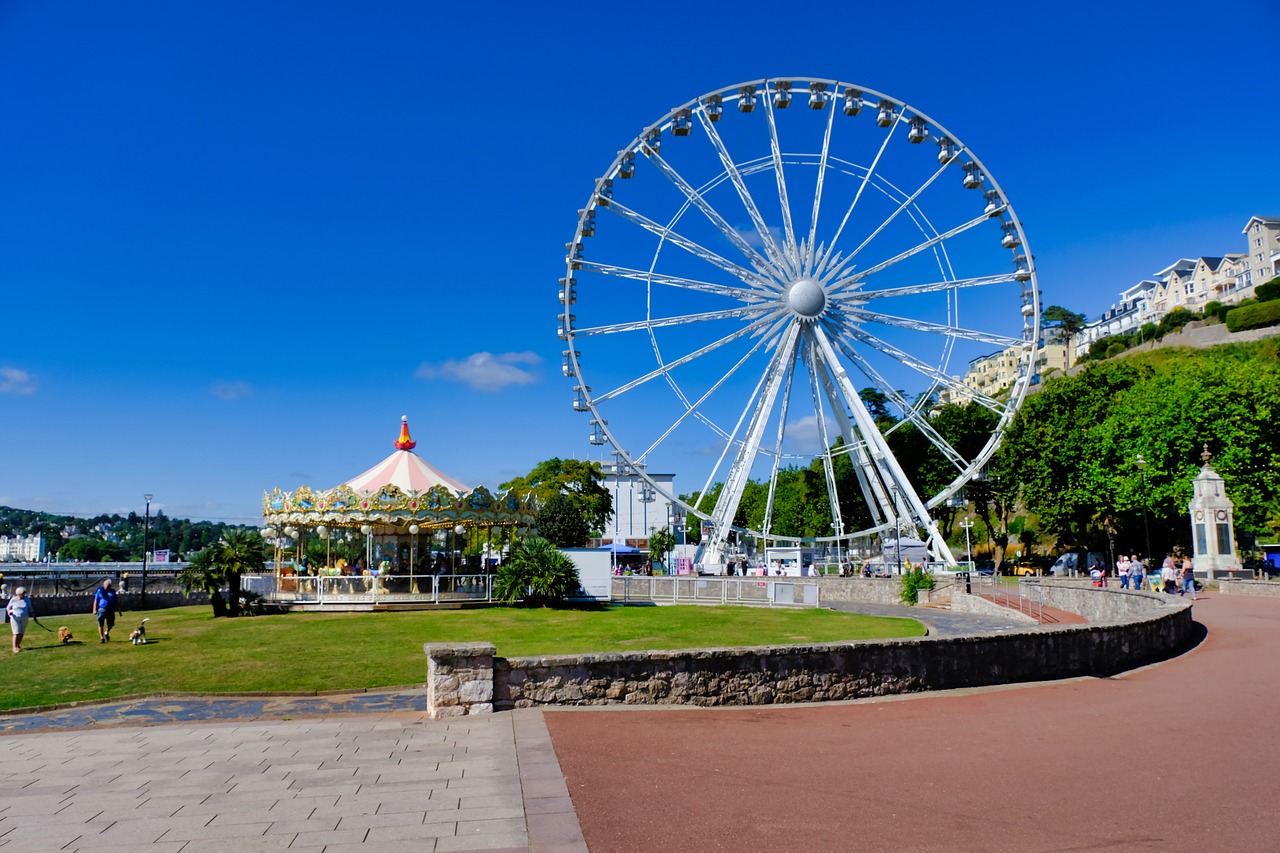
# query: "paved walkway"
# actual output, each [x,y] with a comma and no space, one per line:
[1177,756]
[395,780]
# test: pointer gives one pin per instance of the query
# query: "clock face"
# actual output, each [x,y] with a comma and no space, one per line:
[1199,515]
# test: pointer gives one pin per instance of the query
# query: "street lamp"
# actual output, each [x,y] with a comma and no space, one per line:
[897,529]
[1146,523]
[967,524]
[146,529]
[413,558]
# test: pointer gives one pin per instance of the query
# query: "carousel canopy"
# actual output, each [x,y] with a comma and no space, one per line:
[399,491]
[405,470]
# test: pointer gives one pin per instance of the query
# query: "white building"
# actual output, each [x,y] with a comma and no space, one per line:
[1262,263]
[1131,312]
[22,549]
[637,506]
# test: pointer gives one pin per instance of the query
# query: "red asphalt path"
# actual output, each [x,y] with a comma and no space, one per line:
[1182,755]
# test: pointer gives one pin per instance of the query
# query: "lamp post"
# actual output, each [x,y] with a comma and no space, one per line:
[897,529]
[967,524]
[1146,523]
[146,529]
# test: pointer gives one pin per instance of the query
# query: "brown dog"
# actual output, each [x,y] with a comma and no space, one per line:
[64,635]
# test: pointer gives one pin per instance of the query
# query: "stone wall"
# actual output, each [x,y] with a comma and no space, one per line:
[65,605]
[1126,630]
[860,590]
[459,679]
[962,603]
[1242,587]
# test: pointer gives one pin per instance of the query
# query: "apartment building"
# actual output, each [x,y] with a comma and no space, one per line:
[991,374]
[22,549]
[1262,261]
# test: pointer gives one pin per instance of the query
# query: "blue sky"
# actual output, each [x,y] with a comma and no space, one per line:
[239,240]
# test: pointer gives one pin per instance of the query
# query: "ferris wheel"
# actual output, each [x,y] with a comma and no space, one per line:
[759,260]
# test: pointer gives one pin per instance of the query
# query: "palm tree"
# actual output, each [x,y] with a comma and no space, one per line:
[536,572]
[223,562]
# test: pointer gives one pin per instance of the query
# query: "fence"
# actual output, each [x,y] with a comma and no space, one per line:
[419,589]
[763,592]
[1028,599]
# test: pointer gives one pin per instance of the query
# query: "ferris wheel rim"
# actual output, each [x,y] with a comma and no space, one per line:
[1006,410]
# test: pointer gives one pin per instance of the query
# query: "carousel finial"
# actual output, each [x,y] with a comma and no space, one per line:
[404,442]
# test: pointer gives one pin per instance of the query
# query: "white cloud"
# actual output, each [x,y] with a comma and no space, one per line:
[802,435]
[753,238]
[15,381]
[228,391]
[485,371]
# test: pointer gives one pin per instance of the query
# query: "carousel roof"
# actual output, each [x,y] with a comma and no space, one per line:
[405,470]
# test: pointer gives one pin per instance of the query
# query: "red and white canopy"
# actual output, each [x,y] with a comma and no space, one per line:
[405,470]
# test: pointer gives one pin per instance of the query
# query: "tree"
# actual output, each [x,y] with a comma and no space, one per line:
[536,572]
[578,479]
[241,550]
[560,521]
[1066,323]
[661,542]
[201,575]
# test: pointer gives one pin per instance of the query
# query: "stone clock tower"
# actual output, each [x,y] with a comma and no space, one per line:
[1212,525]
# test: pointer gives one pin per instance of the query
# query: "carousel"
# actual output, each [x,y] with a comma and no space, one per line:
[401,534]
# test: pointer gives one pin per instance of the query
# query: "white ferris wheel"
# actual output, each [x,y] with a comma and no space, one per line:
[759,254]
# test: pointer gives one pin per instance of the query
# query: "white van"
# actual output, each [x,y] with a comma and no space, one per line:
[1074,563]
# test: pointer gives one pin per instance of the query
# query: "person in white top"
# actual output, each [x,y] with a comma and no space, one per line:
[1122,571]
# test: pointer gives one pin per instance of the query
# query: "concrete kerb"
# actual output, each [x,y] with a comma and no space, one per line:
[1125,630]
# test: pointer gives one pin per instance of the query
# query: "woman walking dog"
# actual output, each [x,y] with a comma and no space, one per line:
[19,612]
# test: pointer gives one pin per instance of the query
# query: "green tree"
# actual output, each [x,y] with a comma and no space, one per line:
[578,479]
[560,521]
[536,572]
[1063,324]
[202,575]
[239,552]
[661,542]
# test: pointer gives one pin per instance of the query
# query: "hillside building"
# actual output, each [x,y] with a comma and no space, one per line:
[22,549]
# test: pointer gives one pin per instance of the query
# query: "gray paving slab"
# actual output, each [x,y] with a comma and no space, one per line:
[394,779]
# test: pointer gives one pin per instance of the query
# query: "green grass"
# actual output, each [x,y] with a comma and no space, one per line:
[190,652]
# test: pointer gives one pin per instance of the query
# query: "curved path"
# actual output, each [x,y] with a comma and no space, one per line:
[1178,756]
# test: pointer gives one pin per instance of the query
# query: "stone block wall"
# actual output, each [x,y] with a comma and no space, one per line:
[459,679]
[1125,630]
[1242,587]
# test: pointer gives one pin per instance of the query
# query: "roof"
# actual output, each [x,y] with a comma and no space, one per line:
[1265,220]
[406,470]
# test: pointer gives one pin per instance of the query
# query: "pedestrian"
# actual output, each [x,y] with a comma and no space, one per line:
[18,610]
[1122,571]
[1136,572]
[105,605]
[1169,575]
[1188,578]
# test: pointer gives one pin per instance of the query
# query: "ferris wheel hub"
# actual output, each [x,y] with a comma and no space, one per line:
[806,298]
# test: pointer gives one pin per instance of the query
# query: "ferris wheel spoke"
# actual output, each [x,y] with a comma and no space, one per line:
[820,415]
[692,409]
[840,284]
[762,396]
[741,293]
[693,248]
[903,205]
[754,327]
[776,148]
[950,382]
[1002,341]
[771,247]
[910,412]
[871,170]
[696,199]
[777,447]
[855,447]
[682,320]
[810,250]
[931,287]
[758,409]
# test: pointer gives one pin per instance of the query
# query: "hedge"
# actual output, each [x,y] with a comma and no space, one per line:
[1254,316]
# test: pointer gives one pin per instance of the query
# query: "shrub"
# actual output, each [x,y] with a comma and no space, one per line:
[1215,310]
[1115,349]
[536,572]
[1254,316]
[1173,321]
[912,582]
[1268,291]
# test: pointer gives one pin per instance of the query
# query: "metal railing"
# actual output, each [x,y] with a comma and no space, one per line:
[763,592]
[1028,599]
[420,589]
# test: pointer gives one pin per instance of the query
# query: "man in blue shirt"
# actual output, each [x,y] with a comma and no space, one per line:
[105,604]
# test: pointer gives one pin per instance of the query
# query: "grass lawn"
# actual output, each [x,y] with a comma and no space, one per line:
[189,651]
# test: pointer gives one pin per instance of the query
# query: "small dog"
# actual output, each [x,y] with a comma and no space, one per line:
[64,635]
[139,635]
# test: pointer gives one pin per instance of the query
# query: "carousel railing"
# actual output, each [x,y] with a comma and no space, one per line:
[318,589]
